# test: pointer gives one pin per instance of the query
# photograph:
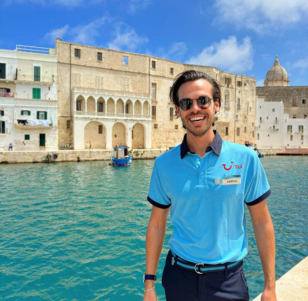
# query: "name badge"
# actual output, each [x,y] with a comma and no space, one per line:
[232,180]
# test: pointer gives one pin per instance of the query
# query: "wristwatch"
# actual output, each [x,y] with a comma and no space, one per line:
[148,277]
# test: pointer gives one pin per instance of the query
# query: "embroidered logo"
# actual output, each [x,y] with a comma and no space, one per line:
[231,166]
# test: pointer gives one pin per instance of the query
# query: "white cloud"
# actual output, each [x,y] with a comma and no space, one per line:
[81,34]
[126,38]
[262,16]
[228,55]
[176,52]
[133,5]
[301,64]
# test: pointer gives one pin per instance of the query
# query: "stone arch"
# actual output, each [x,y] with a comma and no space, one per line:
[146,108]
[95,132]
[110,106]
[91,104]
[80,107]
[101,105]
[118,134]
[128,107]
[138,136]
[120,106]
[138,107]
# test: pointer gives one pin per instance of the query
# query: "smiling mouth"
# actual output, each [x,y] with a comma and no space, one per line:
[196,119]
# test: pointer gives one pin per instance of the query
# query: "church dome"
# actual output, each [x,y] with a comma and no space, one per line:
[277,75]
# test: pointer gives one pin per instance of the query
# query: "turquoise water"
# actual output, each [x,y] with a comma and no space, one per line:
[76,231]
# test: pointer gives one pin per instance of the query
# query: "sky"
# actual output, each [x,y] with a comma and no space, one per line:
[238,36]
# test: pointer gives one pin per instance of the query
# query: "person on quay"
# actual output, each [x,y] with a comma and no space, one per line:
[11,146]
[205,183]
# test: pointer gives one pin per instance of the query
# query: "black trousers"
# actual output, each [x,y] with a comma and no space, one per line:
[184,285]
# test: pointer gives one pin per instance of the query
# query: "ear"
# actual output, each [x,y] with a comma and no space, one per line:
[178,114]
[216,104]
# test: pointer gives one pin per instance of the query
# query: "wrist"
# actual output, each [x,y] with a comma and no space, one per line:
[148,284]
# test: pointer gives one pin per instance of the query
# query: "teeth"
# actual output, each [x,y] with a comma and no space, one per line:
[196,118]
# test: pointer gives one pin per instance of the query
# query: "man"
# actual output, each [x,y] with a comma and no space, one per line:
[205,183]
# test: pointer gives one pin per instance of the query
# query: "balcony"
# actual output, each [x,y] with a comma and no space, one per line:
[32,124]
[93,91]
[6,94]
[112,115]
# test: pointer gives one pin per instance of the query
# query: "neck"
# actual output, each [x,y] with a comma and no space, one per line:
[199,144]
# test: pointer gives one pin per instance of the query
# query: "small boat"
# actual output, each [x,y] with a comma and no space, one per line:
[120,156]
[250,145]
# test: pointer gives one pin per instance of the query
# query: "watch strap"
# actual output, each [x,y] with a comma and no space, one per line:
[149,277]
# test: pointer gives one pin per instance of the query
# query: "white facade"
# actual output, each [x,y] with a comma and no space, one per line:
[28,99]
[275,129]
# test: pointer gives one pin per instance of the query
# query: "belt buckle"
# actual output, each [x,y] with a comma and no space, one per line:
[197,268]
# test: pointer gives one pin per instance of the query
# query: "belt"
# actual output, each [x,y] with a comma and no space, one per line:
[201,268]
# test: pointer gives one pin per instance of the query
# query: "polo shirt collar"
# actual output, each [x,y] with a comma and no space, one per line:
[215,146]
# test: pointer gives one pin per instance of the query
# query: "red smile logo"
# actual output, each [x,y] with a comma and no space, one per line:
[227,168]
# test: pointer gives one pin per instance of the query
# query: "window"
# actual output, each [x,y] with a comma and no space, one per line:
[154,64]
[68,124]
[238,104]
[227,131]
[238,131]
[1,112]
[78,105]
[171,113]
[301,129]
[100,56]
[25,112]
[294,116]
[305,116]
[228,81]
[36,93]
[27,137]
[291,137]
[127,108]
[302,137]
[239,84]
[37,73]
[258,136]
[125,60]
[171,71]
[2,71]
[100,107]
[41,115]
[100,129]
[245,129]
[77,52]
[154,88]
[273,110]
[176,127]
[2,127]
[155,126]
[304,101]
[260,119]
[289,128]
[253,134]
[153,112]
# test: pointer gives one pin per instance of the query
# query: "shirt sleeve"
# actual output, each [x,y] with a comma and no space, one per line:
[258,188]
[157,195]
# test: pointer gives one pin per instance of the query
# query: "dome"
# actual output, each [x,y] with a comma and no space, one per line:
[277,75]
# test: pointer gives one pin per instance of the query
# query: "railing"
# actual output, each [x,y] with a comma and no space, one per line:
[6,94]
[110,92]
[32,49]
[112,115]
[24,122]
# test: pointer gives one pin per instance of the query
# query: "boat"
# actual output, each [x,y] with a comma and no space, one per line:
[250,145]
[120,156]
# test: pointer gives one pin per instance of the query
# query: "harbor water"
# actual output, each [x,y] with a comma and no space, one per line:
[76,231]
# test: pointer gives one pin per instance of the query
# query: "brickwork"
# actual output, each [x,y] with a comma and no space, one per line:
[295,99]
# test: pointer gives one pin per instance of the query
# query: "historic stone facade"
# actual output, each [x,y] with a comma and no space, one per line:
[108,97]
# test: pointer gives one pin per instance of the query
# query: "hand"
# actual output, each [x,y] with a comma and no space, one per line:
[150,296]
[269,295]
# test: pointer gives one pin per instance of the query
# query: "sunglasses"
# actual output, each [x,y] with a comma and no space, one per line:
[203,102]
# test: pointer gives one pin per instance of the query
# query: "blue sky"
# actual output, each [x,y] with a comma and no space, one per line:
[240,36]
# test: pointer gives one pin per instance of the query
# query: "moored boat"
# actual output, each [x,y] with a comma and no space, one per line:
[120,156]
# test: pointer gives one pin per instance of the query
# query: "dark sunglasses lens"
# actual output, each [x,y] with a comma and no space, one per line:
[185,104]
[203,101]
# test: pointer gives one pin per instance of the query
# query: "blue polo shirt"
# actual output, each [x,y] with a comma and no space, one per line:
[207,198]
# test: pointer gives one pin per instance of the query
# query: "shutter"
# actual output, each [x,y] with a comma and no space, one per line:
[33,93]
[45,115]
[22,112]
[38,115]
[37,73]
[38,93]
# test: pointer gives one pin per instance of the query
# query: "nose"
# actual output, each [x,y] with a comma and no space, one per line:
[195,107]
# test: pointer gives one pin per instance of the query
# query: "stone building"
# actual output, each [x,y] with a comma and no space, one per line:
[293,121]
[28,99]
[113,97]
